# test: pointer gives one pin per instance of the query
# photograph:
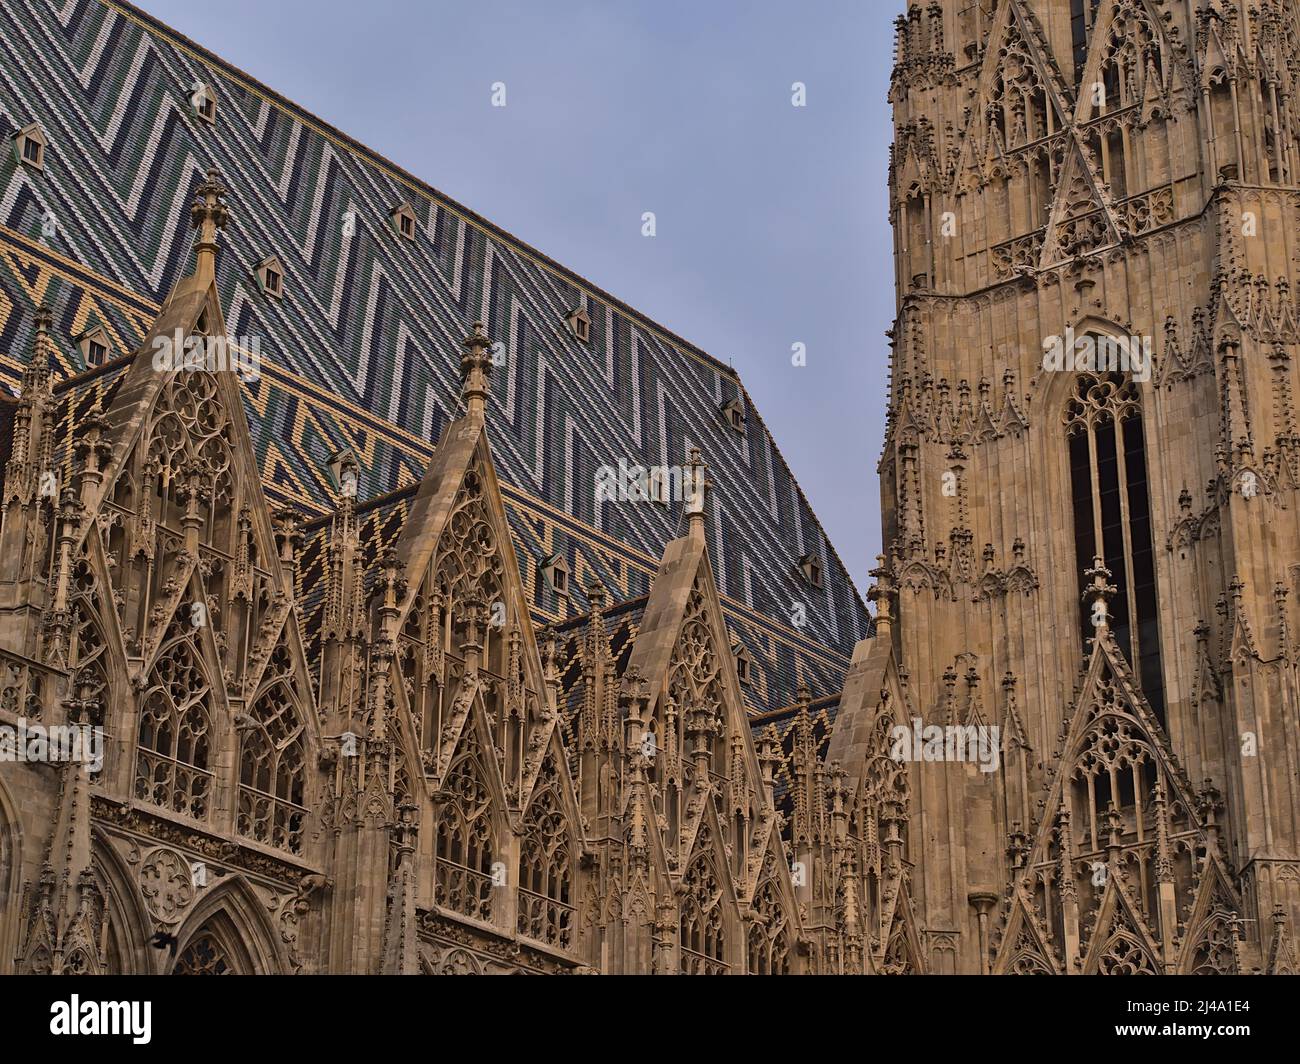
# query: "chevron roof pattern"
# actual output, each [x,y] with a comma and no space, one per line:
[362,351]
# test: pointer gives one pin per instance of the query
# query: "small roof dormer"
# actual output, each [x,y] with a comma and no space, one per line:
[579,323]
[203,102]
[555,572]
[733,412]
[744,662]
[811,567]
[30,144]
[96,346]
[270,276]
[404,221]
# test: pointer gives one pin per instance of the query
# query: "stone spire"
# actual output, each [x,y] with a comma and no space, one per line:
[475,369]
[1098,593]
[881,594]
[29,455]
[208,213]
[697,485]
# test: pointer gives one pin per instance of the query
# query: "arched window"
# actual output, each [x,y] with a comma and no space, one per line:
[271,772]
[1113,163]
[190,447]
[545,883]
[769,935]
[1083,13]
[465,855]
[703,938]
[1112,517]
[88,654]
[918,237]
[173,752]
[204,955]
[10,871]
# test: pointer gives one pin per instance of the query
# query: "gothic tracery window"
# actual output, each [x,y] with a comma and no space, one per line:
[173,751]
[1019,108]
[695,688]
[545,878]
[1112,517]
[464,847]
[272,772]
[1083,14]
[88,652]
[1132,66]
[769,934]
[1028,960]
[461,601]
[1123,954]
[702,944]
[203,955]
[1112,783]
[190,452]
[1214,953]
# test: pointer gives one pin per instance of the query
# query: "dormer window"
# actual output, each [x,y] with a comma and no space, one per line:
[744,664]
[204,103]
[659,484]
[555,572]
[579,324]
[30,142]
[734,413]
[95,347]
[270,275]
[811,567]
[404,221]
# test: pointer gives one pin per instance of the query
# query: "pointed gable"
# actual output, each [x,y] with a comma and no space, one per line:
[682,652]
[1130,62]
[194,602]
[1081,219]
[717,820]
[1211,944]
[1122,837]
[1026,949]
[455,680]
[1025,98]
[1121,943]
[1020,100]
[464,591]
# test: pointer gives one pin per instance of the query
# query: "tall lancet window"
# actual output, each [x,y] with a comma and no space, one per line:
[1083,16]
[1112,517]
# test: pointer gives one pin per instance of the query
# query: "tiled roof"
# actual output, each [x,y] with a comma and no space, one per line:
[363,350]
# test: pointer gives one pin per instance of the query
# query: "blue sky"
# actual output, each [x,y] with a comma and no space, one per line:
[772,220]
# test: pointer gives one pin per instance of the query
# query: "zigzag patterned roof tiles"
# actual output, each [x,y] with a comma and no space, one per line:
[363,349]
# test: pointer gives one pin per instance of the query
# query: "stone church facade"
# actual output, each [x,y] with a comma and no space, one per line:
[375,701]
[1099,558]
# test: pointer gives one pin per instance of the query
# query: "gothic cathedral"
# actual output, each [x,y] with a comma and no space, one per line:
[378,687]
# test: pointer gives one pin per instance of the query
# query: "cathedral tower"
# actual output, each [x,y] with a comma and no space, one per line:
[1089,478]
